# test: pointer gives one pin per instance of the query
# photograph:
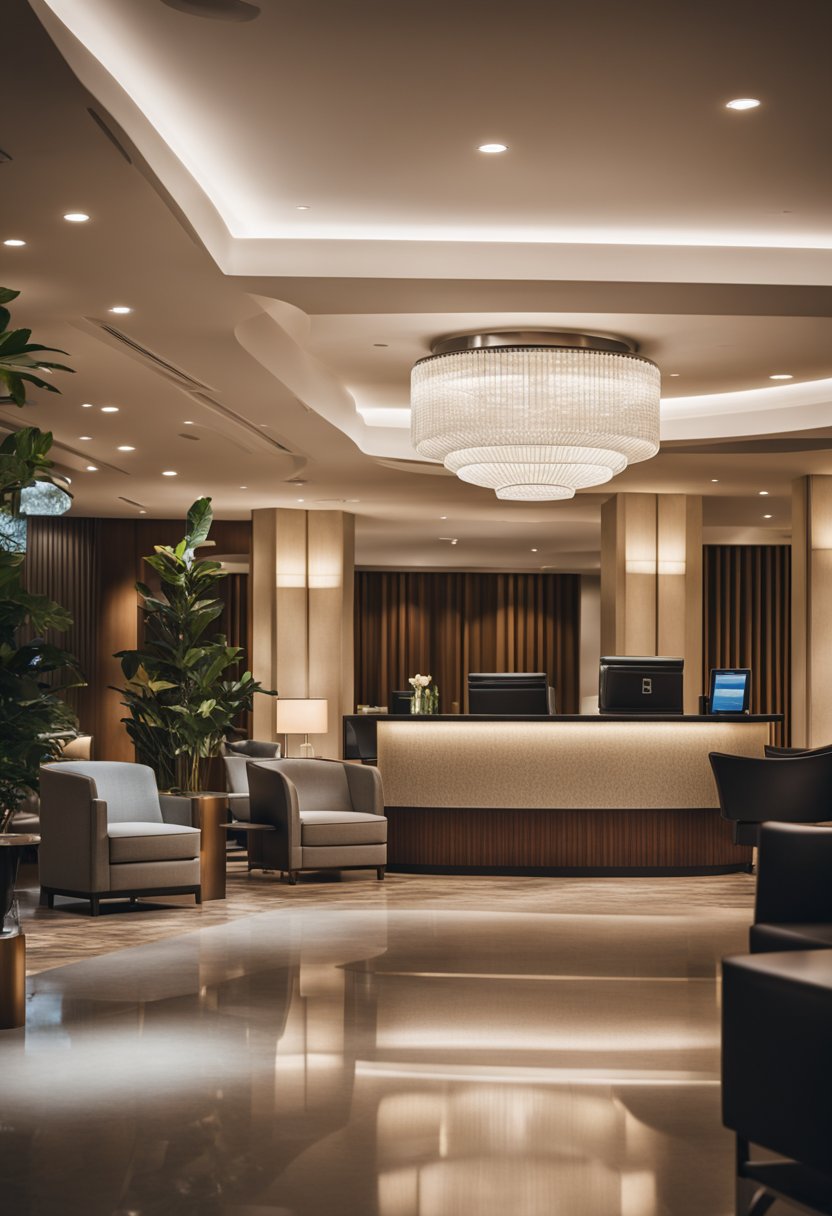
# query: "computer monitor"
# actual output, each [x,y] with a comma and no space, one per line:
[646,684]
[510,693]
[730,690]
[400,700]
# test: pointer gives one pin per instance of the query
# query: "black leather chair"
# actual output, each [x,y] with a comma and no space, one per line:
[790,789]
[793,908]
[773,752]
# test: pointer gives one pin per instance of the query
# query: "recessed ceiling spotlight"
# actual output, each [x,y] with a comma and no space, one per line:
[673,375]
[714,480]
[764,493]
[76,217]
[767,517]
[443,517]
[782,376]
[534,550]
[85,437]
[169,473]
[742,103]
[243,487]
[303,207]
[14,243]
[188,422]
[454,541]
[492,149]
[142,511]
[121,309]
[92,468]
[86,405]
[109,409]
[125,447]
[300,500]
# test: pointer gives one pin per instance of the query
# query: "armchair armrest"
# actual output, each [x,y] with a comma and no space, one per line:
[179,809]
[365,789]
[794,865]
[75,850]
[273,799]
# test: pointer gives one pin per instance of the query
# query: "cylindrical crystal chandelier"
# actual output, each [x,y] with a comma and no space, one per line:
[536,415]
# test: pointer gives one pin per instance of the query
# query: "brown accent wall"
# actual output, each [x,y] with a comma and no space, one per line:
[91,567]
[747,622]
[447,624]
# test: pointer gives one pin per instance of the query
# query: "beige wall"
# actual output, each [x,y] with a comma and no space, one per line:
[302,571]
[812,611]
[651,580]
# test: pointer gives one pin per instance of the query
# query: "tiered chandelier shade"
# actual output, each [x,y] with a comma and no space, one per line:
[535,421]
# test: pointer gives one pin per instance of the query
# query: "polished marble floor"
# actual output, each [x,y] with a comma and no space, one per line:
[421,1047]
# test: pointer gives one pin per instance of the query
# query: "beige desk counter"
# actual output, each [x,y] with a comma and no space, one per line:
[560,794]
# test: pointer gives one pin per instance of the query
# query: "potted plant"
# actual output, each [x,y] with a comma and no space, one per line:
[33,672]
[181,692]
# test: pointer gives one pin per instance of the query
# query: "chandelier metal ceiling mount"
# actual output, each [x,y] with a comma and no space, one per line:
[535,415]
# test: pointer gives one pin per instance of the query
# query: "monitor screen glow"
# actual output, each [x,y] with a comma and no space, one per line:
[729,691]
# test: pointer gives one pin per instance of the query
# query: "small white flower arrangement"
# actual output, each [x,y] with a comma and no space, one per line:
[425,699]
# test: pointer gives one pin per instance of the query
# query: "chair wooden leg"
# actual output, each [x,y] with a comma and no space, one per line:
[95,905]
[380,873]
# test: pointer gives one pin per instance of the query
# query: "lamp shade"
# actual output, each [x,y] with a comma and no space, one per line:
[301,716]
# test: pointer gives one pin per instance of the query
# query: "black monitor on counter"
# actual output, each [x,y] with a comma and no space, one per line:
[401,700]
[633,684]
[510,693]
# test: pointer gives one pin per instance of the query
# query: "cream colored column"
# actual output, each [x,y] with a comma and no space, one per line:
[651,580]
[302,575]
[812,611]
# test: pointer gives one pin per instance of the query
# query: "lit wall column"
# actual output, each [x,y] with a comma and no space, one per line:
[302,571]
[651,580]
[811,611]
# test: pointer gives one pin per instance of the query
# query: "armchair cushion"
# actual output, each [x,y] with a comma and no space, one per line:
[327,828]
[321,784]
[254,749]
[130,842]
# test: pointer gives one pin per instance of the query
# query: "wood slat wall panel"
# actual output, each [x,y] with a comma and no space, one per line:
[747,622]
[447,624]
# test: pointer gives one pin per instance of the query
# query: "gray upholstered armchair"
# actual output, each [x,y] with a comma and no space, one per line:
[235,758]
[324,815]
[107,833]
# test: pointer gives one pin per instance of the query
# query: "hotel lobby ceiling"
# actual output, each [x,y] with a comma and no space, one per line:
[646,209]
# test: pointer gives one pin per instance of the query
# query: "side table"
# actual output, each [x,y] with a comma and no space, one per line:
[12,981]
[209,812]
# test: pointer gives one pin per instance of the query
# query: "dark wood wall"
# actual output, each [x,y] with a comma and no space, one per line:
[747,621]
[447,624]
[91,567]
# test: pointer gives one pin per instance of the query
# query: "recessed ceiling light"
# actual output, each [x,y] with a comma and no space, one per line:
[443,517]
[125,447]
[455,541]
[243,487]
[109,409]
[764,493]
[85,436]
[492,149]
[714,480]
[121,309]
[142,511]
[169,473]
[76,217]
[767,517]
[742,103]
[92,468]
[86,405]
[782,376]
[534,550]
[14,243]
[303,207]
[673,375]
[300,500]
[187,422]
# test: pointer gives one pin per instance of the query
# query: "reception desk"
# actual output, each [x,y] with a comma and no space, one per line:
[561,794]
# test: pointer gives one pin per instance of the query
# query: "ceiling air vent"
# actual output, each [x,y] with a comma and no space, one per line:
[161,365]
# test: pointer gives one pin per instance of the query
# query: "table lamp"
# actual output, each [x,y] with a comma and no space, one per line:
[301,716]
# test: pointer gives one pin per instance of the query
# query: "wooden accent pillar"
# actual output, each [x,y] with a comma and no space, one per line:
[118,629]
[302,572]
[811,611]
[651,580]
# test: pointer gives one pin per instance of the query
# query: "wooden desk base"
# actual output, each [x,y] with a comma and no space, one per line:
[12,982]
[561,841]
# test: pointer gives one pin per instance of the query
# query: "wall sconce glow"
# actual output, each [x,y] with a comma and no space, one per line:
[76,217]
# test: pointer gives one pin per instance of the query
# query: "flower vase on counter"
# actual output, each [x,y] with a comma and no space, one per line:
[425,699]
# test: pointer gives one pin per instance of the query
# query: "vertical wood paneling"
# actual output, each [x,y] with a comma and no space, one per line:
[747,622]
[447,624]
